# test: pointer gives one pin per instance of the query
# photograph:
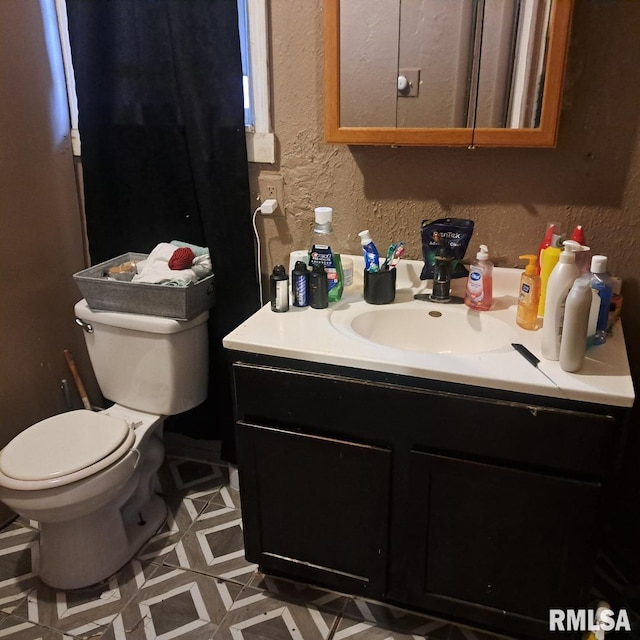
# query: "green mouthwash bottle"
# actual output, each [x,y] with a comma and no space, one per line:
[324,252]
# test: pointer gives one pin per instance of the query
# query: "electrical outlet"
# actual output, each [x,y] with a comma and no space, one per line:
[271,187]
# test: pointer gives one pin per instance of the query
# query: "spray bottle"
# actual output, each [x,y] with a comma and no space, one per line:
[546,242]
[583,257]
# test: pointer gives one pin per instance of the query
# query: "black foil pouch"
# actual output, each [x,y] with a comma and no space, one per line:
[456,232]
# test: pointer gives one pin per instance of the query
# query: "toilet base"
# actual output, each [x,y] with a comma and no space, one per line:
[100,544]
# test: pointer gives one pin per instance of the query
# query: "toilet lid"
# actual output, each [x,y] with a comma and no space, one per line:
[62,445]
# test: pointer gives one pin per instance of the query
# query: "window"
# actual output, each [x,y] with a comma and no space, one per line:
[252,21]
[260,139]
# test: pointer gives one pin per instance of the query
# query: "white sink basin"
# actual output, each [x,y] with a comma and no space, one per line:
[424,327]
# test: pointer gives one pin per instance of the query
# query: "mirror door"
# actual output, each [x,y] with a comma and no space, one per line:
[444,72]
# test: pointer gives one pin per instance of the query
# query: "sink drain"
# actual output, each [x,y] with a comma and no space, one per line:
[435,314]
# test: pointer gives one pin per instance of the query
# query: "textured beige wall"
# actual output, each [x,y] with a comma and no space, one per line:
[592,178]
[41,244]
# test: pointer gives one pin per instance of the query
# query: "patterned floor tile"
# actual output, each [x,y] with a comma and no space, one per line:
[298,592]
[182,513]
[85,612]
[197,479]
[18,629]
[227,497]
[18,559]
[375,621]
[214,545]
[174,604]
[257,615]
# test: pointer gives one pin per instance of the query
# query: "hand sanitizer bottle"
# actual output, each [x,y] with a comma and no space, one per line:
[479,292]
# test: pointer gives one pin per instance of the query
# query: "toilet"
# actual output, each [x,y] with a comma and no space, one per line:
[90,478]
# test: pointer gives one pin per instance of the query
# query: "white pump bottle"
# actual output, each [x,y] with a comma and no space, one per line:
[560,282]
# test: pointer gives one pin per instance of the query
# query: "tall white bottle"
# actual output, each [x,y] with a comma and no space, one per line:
[573,343]
[560,281]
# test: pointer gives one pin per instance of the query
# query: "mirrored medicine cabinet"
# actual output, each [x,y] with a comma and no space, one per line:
[477,73]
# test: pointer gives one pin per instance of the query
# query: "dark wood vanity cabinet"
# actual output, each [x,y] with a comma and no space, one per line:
[316,508]
[499,537]
[472,504]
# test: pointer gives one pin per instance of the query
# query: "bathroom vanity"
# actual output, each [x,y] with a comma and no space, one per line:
[448,476]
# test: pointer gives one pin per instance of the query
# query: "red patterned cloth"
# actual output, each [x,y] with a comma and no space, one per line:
[181,258]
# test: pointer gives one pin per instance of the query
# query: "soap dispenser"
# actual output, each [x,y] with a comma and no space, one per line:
[529,295]
[479,293]
[562,277]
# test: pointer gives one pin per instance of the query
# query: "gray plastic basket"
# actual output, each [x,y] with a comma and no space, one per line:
[104,294]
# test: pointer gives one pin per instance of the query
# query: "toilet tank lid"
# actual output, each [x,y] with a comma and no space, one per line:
[136,322]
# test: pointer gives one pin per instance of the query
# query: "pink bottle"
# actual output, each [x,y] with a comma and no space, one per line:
[479,292]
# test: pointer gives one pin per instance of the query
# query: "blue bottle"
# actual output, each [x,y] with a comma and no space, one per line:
[601,283]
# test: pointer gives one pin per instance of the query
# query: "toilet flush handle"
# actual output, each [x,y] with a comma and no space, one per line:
[85,325]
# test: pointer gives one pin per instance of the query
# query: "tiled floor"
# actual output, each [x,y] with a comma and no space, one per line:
[192,582]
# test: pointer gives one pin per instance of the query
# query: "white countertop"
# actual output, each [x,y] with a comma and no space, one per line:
[309,334]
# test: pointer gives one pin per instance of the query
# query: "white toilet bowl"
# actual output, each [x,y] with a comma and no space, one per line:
[89,479]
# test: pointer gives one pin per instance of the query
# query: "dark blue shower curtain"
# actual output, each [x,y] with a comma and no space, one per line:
[159,85]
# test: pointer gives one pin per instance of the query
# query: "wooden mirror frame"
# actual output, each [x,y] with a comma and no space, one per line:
[543,136]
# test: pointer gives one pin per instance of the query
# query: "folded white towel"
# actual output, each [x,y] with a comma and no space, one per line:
[155,269]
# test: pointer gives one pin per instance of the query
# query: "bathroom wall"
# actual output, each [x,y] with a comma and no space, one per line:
[592,177]
[41,240]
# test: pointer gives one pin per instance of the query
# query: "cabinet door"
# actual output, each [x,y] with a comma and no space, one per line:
[315,508]
[512,540]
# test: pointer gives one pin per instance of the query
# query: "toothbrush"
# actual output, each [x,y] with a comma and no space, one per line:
[397,254]
[390,252]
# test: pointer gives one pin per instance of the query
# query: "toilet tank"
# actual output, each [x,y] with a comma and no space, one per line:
[152,364]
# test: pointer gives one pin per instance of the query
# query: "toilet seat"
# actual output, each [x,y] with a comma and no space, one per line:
[63,449]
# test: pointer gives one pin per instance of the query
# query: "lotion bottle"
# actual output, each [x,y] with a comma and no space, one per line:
[529,295]
[479,292]
[573,343]
[560,282]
